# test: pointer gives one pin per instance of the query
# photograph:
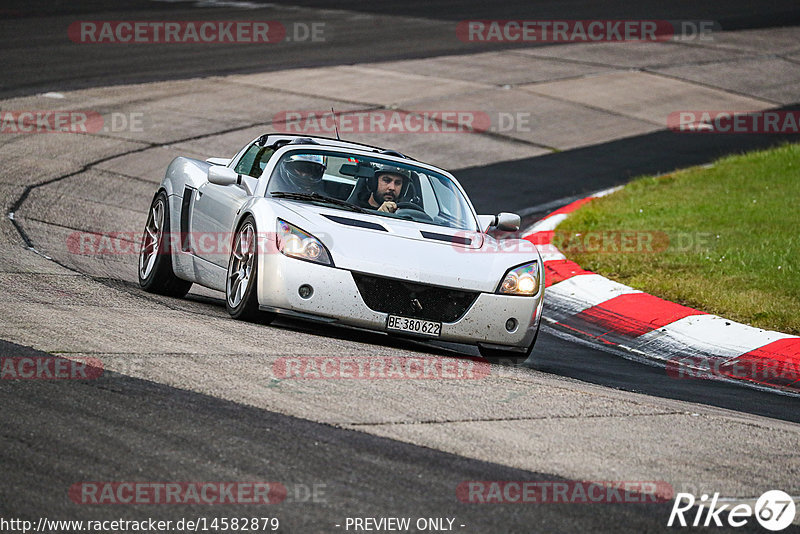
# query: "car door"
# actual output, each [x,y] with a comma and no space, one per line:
[213,215]
[215,209]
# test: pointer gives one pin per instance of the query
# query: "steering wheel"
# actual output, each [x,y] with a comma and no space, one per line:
[410,206]
[419,213]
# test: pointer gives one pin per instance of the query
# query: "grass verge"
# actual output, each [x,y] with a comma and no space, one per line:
[722,238]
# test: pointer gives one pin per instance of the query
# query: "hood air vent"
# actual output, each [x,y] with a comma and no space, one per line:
[355,222]
[457,239]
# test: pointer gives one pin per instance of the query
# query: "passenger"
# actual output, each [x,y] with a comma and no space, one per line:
[300,173]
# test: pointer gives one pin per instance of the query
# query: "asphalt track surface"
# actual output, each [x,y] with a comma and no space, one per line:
[118,427]
[36,58]
[114,428]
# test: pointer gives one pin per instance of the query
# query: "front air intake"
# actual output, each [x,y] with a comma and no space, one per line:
[411,299]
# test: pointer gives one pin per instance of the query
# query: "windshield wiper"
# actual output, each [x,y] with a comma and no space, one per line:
[321,198]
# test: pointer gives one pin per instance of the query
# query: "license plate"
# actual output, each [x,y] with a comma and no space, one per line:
[414,326]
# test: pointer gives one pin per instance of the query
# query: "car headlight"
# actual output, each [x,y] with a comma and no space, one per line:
[522,280]
[294,242]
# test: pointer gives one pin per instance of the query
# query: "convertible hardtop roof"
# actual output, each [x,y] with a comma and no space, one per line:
[270,139]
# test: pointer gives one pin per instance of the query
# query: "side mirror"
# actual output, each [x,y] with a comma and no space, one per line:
[222,175]
[508,222]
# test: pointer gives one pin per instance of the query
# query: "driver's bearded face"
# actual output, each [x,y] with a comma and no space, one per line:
[389,187]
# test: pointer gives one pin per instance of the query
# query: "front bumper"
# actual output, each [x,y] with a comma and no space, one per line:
[336,298]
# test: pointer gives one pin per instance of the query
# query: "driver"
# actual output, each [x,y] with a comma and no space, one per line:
[389,184]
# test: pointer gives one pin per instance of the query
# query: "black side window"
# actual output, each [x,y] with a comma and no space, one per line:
[254,161]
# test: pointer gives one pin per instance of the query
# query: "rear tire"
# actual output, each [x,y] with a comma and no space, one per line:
[241,284]
[155,257]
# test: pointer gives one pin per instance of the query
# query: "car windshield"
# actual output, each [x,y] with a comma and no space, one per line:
[340,181]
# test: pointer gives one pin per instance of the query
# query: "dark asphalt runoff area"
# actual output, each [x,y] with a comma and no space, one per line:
[54,434]
[582,171]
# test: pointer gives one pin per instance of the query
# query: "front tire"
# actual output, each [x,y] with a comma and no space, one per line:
[502,356]
[155,257]
[241,293]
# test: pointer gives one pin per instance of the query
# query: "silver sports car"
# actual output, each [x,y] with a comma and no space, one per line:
[327,230]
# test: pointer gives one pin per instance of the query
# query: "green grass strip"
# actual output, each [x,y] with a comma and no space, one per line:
[722,238]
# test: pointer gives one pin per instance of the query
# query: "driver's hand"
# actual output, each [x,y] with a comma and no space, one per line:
[388,206]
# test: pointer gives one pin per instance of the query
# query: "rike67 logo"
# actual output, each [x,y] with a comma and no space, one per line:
[774,510]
